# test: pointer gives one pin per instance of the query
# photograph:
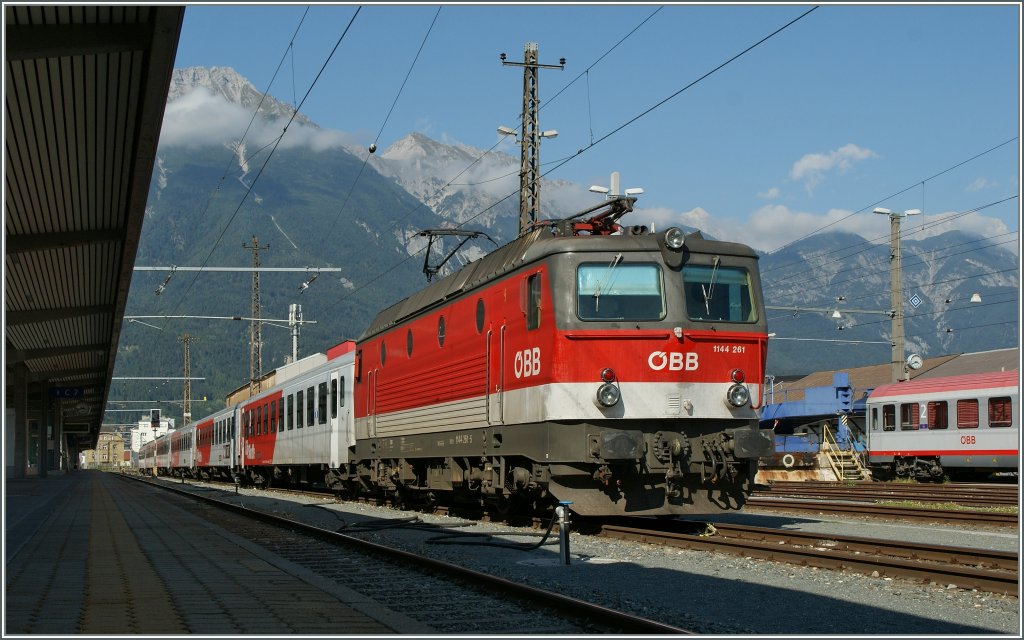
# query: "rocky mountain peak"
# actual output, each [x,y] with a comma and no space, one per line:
[233,87]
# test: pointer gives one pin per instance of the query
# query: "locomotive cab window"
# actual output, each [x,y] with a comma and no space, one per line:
[718,294]
[616,291]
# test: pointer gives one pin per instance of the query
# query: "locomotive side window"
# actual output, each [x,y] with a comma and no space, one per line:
[909,416]
[480,315]
[999,412]
[533,302]
[298,409]
[619,292]
[716,293]
[967,414]
[322,402]
[888,417]
[408,343]
[938,414]
[440,331]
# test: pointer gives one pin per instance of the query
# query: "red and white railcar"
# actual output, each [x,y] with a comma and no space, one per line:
[956,425]
[215,445]
[301,429]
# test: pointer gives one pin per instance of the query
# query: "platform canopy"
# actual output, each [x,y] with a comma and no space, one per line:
[84,94]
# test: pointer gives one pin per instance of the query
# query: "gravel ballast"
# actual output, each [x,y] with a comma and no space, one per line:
[704,592]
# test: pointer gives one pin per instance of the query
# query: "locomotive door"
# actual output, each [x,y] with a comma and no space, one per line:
[496,376]
[371,403]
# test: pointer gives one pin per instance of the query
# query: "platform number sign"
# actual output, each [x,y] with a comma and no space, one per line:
[915,301]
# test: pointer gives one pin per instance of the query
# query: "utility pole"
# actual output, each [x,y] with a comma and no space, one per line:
[529,165]
[255,326]
[896,287]
[186,404]
[294,320]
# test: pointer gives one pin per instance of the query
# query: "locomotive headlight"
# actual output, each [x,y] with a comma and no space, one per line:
[608,395]
[738,395]
[674,238]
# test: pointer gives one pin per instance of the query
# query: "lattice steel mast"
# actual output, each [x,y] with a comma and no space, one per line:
[255,325]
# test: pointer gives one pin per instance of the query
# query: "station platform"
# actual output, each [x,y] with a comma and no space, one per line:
[86,553]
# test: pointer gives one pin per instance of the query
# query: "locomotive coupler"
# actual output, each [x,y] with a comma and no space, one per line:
[562,513]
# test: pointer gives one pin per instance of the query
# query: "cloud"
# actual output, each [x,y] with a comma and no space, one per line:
[201,118]
[981,183]
[812,167]
[770,194]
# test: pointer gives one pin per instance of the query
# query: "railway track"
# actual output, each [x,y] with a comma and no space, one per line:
[963,494]
[889,512]
[436,592]
[985,570]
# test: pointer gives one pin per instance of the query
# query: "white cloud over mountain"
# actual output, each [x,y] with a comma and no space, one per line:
[201,117]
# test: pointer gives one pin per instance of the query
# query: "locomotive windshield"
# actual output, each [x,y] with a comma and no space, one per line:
[719,294]
[617,291]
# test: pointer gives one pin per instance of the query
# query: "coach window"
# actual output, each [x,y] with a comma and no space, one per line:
[310,400]
[999,412]
[967,414]
[909,416]
[291,411]
[280,415]
[938,414]
[273,416]
[616,291]
[888,417]
[341,391]
[334,398]
[321,404]
[298,409]
[440,331]
[480,313]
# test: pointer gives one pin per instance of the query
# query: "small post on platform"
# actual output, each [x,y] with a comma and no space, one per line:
[562,511]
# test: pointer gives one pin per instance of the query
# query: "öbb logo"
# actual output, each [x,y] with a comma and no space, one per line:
[672,360]
[527,362]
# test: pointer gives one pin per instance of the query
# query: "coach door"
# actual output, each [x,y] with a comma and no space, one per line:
[340,420]
[496,376]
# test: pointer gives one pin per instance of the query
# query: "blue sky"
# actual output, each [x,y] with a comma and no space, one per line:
[836,113]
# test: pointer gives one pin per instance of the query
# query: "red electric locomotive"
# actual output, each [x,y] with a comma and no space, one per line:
[586,362]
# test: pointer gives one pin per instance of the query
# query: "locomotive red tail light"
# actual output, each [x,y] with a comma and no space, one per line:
[607,374]
[737,375]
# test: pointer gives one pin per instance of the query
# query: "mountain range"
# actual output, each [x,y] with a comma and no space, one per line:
[327,202]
